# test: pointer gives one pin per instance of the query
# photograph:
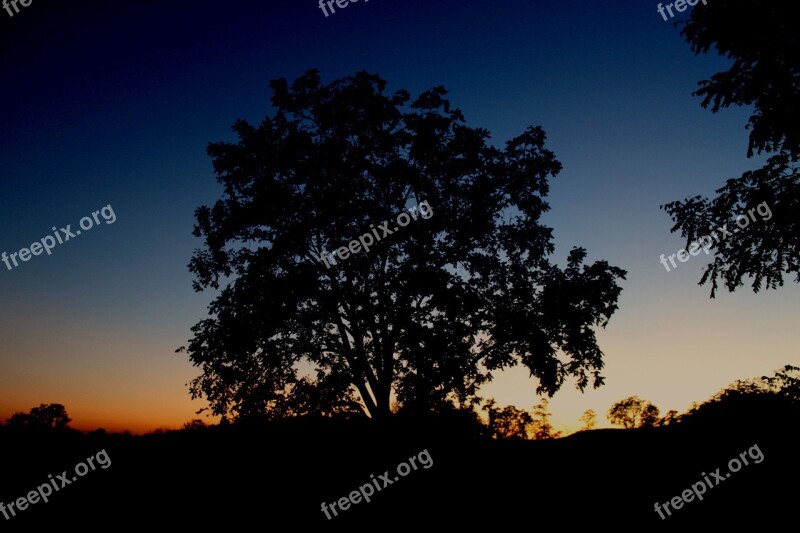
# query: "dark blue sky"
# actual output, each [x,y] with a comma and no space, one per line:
[114,103]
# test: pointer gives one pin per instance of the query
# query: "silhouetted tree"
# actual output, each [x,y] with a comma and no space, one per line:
[540,422]
[508,422]
[427,313]
[194,425]
[633,412]
[766,401]
[760,39]
[650,416]
[785,382]
[672,417]
[589,419]
[46,416]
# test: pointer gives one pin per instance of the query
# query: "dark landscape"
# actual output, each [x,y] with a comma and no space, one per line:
[398,265]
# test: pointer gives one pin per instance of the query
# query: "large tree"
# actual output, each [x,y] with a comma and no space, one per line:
[430,310]
[760,40]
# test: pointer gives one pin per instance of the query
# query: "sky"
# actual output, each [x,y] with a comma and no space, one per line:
[113,106]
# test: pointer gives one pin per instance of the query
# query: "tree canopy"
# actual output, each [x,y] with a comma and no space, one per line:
[46,416]
[589,419]
[763,402]
[428,311]
[508,422]
[633,412]
[513,423]
[760,40]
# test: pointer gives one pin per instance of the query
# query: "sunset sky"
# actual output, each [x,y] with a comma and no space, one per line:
[115,104]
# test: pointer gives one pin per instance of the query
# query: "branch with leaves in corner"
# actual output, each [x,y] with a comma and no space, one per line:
[764,73]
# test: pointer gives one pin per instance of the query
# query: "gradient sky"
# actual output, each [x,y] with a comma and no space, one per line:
[115,104]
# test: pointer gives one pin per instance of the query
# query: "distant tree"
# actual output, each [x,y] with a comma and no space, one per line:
[783,385]
[670,418]
[194,425]
[650,416]
[46,416]
[785,382]
[633,412]
[431,309]
[761,43]
[764,401]
[508,422]
[589,419]
[541,426]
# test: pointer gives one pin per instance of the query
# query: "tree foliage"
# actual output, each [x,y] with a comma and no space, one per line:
[760,40]
[672,417]
[784,384]
[513,423]
[508,422]
[46,416]
[541,427]
[428,312]
[633,412]
[765,402]
[589,419]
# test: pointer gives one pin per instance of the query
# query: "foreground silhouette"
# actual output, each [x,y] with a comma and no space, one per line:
[280,472]
[761,45]
[414,311]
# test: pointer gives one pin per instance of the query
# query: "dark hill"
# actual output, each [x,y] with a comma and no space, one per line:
[277,475]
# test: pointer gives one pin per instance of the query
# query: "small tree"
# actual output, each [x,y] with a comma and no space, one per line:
[670,418]
[650,416]
[633,412]
[542,428]
[508,422]
[46,416]
[194,425]
[785,382]
[589,419]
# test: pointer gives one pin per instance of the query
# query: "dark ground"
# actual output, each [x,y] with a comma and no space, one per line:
[278,475]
